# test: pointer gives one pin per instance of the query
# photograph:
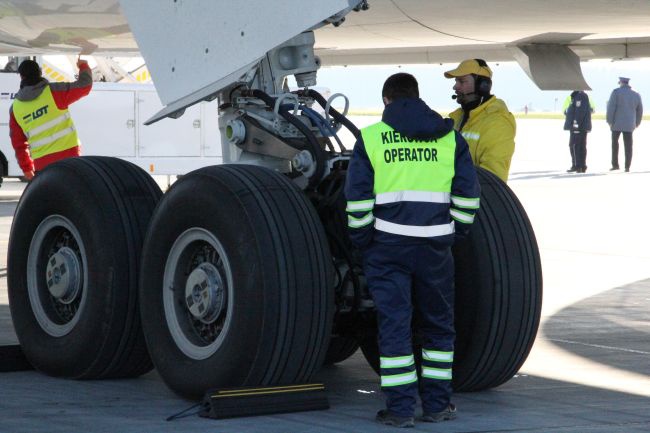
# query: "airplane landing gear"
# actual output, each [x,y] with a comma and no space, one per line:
[73,261]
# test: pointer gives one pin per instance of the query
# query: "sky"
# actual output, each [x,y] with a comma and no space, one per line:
[362,84]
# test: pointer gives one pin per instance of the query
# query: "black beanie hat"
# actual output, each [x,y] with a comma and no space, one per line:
[30,72]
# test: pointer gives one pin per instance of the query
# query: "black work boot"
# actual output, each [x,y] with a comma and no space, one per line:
[387,418]
[572,169]
[447,414]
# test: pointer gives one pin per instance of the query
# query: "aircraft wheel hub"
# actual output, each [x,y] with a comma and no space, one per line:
[63,275]
[204,293]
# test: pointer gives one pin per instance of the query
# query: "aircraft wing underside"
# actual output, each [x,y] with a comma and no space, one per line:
[548,39]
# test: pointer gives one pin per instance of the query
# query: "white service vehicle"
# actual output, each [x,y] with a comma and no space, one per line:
[242,273]
[109,122]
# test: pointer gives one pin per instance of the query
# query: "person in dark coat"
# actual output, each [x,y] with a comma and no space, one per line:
[411,191]
[578,123]
[624,113]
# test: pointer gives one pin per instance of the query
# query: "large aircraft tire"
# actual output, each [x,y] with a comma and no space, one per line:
[73,259]
[498,292]
[236,288]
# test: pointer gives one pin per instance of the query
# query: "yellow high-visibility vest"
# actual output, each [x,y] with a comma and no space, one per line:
[48,129]
[401,163]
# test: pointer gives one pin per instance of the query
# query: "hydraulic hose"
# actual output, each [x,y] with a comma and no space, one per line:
[332,111]
[323,126]
[314,146]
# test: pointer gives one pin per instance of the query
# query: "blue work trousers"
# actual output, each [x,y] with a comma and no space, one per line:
[401,277]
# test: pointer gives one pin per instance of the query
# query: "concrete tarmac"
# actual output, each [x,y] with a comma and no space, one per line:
[588,371]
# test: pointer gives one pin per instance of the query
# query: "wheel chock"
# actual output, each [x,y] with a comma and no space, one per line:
[252,401]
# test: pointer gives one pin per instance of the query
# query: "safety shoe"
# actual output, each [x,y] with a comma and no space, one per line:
[614,168]
[571,170]
[387,418]
[444,415]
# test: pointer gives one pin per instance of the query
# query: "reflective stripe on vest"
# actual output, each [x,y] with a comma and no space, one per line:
[421,196]
[416,231]
[471,135]
[410,170]
[49,129]
[47,125]
[33,144]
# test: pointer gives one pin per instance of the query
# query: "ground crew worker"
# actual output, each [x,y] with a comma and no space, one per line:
[483,119]
[40,125]
[578,123]
[411,189]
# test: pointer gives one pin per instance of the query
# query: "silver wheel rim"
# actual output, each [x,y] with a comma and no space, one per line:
[56,275]
[197,293]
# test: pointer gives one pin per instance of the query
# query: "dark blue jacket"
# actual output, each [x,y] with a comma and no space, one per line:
[414,119]
[578,113]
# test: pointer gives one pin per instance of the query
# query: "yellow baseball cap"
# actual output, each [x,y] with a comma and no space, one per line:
[470,66]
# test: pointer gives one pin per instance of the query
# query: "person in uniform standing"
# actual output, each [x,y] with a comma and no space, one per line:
[578,123]
[624,114]
[411,190]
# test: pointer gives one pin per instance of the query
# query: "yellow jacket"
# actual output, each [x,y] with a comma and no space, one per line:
[490,133]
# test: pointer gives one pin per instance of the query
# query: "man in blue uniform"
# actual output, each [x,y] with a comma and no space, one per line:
[411,189]
[578,123]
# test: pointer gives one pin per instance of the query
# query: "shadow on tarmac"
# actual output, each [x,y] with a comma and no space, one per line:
[558,175]
[606,326]
[554,175]
[526,403]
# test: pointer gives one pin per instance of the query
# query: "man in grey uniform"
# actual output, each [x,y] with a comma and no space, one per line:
[624,112]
